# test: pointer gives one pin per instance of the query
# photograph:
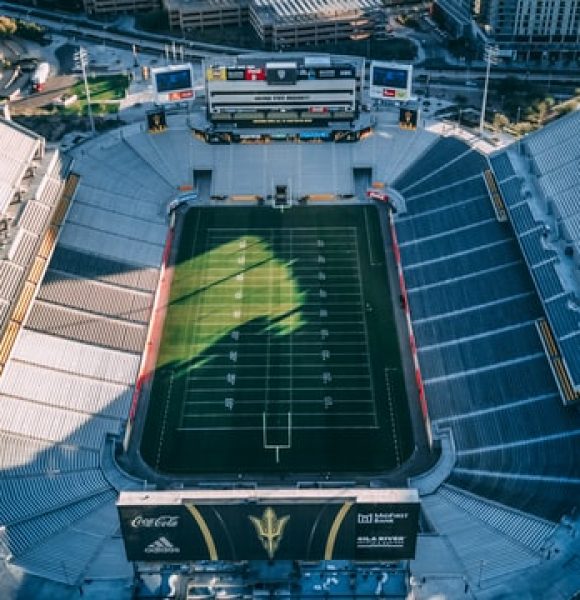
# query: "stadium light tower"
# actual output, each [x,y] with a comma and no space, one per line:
[80,57]
[491,54]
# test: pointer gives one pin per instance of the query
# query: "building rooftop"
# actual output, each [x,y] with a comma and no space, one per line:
[283,12]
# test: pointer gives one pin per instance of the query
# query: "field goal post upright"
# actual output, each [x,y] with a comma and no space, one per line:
[277,447]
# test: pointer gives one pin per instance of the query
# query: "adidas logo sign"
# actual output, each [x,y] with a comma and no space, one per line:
[161,546]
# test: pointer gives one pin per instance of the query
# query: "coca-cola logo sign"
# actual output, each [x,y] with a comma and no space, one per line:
[159,522]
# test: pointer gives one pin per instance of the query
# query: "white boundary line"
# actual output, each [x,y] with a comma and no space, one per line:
[295,239]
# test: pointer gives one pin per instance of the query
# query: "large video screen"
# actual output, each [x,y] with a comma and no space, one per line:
[390,81]
[390,77]
[336,529]
[168,81]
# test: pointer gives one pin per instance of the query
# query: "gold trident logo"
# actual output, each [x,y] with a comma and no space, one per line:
[270,530]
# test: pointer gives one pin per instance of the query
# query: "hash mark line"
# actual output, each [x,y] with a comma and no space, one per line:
[392,414]
[370,375]
[307,415]
[314,230]
[243,403]
[242,377]
[281,389]
[372,262]
[164,422]
[191,320]
[294,427]
[290,366]
[268,342]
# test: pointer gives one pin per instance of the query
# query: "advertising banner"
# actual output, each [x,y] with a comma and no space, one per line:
[268,530]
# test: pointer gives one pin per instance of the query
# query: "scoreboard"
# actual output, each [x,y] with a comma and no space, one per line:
[282,92]
[173,83]
[390,81]
[339,524]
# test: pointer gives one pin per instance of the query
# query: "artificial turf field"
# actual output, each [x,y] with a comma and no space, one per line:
[279,351]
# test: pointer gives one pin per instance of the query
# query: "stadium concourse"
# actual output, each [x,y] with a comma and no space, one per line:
[80,268]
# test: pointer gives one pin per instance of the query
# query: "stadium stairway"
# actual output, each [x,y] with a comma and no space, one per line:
[473,307]
[473,538]
[148,150]
[177,147]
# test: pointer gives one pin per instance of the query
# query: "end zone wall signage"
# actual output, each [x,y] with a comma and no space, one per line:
[374,525]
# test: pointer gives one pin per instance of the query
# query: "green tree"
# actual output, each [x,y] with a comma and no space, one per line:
[500,121]
[7,27]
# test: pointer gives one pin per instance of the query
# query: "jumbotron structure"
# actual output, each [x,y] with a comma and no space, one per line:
[330,365]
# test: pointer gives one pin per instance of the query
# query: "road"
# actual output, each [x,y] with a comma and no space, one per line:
[83,28]
[55,86]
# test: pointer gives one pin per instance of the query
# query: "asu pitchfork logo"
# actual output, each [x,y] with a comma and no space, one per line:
[270,530]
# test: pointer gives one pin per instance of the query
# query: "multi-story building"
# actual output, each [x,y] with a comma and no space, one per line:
[283,24]
[523,29]
[189,15]
[93,7]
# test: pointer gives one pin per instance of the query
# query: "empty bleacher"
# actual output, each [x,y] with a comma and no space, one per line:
[70,379]
[552,157]
[68,384]
[473,306]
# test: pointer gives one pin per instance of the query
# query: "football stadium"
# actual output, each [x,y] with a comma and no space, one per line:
[285,346]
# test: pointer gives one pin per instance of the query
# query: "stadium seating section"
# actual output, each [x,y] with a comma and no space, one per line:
[67,385]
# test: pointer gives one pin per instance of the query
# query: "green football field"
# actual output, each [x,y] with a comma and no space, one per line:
[279,351]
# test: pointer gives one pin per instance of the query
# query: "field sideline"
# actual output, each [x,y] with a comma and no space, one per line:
[279,351]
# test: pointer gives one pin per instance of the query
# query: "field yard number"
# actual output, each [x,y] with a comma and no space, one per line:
[231,378]
[229,403]
[326,377]
[234,355]
[320,243]
[328,402]
[235,335]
